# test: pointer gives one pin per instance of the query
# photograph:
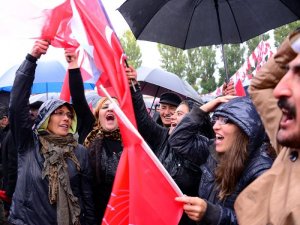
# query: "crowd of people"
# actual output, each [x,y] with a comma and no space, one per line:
[235,159]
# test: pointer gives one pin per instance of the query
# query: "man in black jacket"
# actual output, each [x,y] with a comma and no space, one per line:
[4,130]
[10,158]
[168,103]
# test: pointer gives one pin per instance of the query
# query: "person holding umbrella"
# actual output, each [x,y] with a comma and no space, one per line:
[180,160]
[54,174]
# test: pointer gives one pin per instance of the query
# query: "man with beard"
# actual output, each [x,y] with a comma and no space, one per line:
[274,198]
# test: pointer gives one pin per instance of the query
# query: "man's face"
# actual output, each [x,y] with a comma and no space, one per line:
[166,111]
[33,113]
[287,92]
[3,122]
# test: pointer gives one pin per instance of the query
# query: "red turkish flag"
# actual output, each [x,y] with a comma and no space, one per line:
[143,191]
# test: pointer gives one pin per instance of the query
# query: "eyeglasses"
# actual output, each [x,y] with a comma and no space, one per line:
[61,113]
[220,119]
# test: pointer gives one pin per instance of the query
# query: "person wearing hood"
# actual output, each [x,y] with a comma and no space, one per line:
[54,175]
[236,159]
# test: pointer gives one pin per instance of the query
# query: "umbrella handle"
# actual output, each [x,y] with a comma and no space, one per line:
[131,80]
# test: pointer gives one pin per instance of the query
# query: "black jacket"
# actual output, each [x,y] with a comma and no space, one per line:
[9,164]
[242,113]
[179,153]
[106,160]
[85,117]
[30,201]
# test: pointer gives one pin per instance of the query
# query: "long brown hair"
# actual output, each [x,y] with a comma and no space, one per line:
[231,165]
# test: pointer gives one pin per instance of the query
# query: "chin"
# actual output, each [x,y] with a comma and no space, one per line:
[291,141]
[110,129]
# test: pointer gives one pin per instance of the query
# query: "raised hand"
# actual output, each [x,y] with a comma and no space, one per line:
[131,75]
[228,88]
[39,48]
[213,104]
[72,58]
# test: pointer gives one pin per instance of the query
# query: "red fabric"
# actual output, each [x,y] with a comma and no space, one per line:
[141,193]
[65,93]
[239,89]
[108,53]
[4,197]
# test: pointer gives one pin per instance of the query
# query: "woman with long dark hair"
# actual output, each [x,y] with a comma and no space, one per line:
[237,157]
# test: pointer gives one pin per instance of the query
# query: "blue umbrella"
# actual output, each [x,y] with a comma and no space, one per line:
[49,77]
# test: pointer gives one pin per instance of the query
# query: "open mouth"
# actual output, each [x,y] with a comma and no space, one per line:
[110,117]
[173,124]
[64,126]
[219,137]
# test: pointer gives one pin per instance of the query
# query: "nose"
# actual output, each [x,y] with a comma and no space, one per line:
[283,87]
[216,126]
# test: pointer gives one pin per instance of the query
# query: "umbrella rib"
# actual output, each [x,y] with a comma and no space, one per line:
[290,8]
[190,21]
[142,30]
[236,25]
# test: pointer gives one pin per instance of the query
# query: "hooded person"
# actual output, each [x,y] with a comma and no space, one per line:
[54,174]
[274,197]
[236,159]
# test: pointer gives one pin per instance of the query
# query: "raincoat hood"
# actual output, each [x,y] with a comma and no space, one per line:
[46,109]
[243,114]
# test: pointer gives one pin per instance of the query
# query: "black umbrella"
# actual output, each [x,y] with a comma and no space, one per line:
[192,23]
[155,81]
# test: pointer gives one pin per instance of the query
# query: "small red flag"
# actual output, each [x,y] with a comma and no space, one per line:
[239,89]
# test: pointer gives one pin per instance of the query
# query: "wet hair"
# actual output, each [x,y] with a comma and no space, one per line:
[190,104]
[228,174]
[3,111]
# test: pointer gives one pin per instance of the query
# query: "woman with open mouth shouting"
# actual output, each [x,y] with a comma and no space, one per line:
[100,134]
[237,157]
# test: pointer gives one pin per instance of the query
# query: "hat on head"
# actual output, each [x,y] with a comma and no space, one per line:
[36,105]
[3,111]
[170,98]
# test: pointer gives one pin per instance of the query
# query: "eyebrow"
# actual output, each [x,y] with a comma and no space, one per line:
[295,67]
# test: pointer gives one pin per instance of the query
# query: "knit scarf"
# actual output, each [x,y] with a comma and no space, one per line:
[56,150]
[100,133]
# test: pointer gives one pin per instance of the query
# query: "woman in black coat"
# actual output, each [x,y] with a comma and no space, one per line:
[54,174]
[237,157]
[100,134]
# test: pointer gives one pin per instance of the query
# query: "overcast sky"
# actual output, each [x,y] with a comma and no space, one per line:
[13,51]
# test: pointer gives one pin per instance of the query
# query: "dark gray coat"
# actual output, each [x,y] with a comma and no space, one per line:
[242,113]
[30,203]
[179,153]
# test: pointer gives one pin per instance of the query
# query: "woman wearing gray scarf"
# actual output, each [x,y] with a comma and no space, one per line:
[54,175]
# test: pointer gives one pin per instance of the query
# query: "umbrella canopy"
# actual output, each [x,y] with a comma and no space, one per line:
[92,97]
[192,23]
[49,77]
[155,81]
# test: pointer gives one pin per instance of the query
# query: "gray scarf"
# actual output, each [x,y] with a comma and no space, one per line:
[56,150]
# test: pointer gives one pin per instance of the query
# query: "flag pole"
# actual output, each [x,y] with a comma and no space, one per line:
[145,146]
